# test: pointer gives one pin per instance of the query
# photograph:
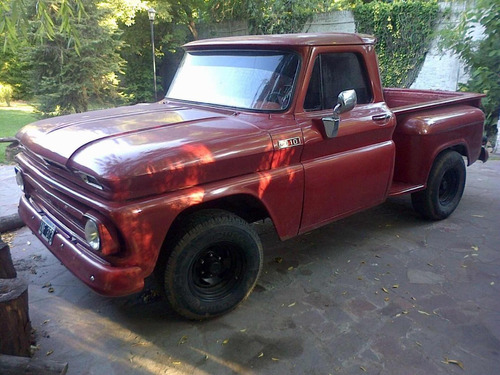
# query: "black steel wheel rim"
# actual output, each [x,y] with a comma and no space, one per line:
[216,271]
[448,187]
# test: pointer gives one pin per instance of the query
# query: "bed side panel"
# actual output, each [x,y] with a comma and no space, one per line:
[421,136]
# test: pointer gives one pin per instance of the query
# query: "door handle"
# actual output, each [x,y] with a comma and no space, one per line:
[382,117]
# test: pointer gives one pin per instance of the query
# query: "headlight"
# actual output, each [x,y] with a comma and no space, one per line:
[19,178]
[92,234]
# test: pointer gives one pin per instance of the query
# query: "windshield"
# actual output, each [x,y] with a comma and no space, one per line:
[260,80]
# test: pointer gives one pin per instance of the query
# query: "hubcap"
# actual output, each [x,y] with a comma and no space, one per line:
[449,187]
[216,270]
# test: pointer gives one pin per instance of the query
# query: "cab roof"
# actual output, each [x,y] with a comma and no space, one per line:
[283,40]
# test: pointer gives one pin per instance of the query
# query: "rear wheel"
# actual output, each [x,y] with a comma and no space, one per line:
[214,265]
[445,187]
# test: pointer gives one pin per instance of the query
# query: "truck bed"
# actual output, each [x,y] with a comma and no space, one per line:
[403,101]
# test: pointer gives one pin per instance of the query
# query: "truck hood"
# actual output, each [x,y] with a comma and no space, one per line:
[149,149]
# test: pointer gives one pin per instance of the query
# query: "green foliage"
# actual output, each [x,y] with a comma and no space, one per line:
[482,57]
[14,70]
[280,16]
[52,17]
[67,80]
[6,93]
[404,30]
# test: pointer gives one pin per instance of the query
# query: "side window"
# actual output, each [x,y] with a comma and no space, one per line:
[332,74]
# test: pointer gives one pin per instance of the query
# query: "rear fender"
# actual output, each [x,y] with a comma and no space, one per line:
[421,136]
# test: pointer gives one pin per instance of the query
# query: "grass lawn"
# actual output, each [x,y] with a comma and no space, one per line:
[11,120]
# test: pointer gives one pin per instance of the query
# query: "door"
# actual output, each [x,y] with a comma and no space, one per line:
[352,170]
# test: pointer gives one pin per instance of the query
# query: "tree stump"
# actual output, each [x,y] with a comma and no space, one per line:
[15,325]
[7,270]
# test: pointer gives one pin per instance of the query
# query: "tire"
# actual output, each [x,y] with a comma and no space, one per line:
[445,187]
[214,265]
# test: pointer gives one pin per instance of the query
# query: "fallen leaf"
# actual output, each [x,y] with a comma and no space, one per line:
[424,313]
[243,330]
[46,321]
[182,340]
[260,355]
[492,283]
[275,359]
[386,299]
[385,290]
[51,290]
[49,352]
[475,248]
[225,342]
[362,368]
[430,264]
[278,259]
[454,362]
[290,268]
[395,286]
[292,304]
[46,285]
[477,215]
[176,362]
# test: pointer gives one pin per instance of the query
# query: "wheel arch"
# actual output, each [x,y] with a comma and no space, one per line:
[246,206]
[458,146]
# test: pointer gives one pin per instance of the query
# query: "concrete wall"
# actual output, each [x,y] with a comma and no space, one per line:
[331,22]
[223,29]
[442,70]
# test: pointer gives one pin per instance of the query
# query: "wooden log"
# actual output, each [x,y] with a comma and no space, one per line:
[7,270]
[9,139]
[15,325]
[10,222]
[10,365]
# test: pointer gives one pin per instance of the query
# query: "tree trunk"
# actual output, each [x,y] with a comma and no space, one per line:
[15,326]
[18,365]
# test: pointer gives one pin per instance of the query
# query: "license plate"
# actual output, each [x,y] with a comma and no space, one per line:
[47,230]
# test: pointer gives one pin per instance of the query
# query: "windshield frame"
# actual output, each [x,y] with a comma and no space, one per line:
[238,51]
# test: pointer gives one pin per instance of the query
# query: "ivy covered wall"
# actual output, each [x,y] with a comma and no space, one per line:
[404,30]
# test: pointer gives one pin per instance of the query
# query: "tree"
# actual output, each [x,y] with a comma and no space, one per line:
[67,80]
[482,57]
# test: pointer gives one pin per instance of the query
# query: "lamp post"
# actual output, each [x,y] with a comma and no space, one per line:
[151,15]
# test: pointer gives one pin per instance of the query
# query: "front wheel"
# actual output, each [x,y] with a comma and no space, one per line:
[213,266]
[445,187]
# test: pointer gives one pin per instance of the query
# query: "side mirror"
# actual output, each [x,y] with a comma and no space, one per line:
[345,102]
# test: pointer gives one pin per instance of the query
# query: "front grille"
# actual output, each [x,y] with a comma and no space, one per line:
[66,212]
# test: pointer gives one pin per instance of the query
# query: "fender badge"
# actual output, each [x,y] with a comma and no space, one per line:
[290,142]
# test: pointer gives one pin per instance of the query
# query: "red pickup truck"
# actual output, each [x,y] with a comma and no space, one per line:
[295,128]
